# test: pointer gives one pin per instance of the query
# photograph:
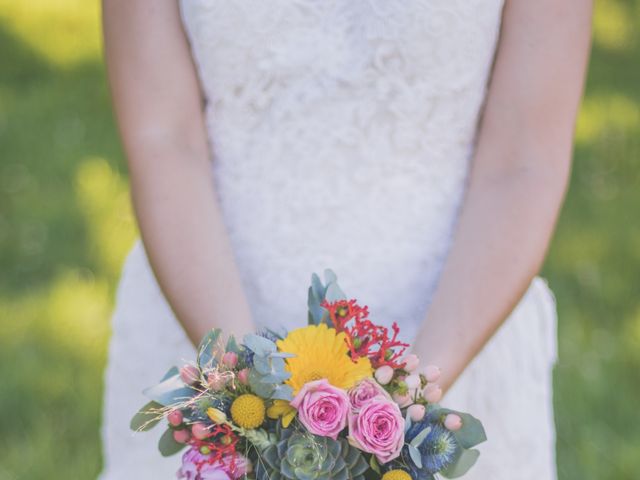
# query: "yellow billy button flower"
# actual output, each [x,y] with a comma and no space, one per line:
[396,475]
[247,411]
[281,408]
[216,416]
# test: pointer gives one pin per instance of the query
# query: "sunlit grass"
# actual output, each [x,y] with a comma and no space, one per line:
[62,31]
[615,23]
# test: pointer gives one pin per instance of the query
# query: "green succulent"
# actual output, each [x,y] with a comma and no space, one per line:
[301,455]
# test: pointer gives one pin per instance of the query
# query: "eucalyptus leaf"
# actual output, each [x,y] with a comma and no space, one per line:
[262,365]
[334,293]
[330,276]
[472,432]
[282,355]
[414,453]
[167,445]
[276,377]
[146,418]
[170,391]
[418,439]
[282,392]
[465,461]
[173,371]
[317,287]
[259,345]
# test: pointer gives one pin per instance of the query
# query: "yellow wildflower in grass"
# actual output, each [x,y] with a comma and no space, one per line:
[321,353]
[247,411]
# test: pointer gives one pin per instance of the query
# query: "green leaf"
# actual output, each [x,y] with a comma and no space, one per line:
[330,276]
[259,345]
[334,293]
[146,418]
[465,461]
[170,391]
[472,432]
[173,371]
[167,445]
[414,453]
[317,288]
[418,439]
[232,345]
[373,463]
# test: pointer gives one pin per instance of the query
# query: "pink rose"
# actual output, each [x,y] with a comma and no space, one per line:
[365,391]
[322,408]
[378,428]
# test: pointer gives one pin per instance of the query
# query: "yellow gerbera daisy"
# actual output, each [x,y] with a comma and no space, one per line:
[321,353]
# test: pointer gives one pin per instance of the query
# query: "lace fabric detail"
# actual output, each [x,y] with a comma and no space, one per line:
[341,133]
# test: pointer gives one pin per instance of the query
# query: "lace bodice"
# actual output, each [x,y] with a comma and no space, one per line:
[341,133]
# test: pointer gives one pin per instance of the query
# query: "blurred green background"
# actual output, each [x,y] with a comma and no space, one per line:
[66,224]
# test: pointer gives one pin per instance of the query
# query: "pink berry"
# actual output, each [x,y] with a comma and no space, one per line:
[175,418]
[200,431]
[453,422]
[432,373]
[216,381]
[432,393]
[181,436]
[412,381]
[384,374]
[402,400]
[230,359]
[411,362]
[416,412]
[189,374]
[243,376]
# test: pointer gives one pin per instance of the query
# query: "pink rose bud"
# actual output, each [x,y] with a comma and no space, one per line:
[243,376]
[432,393]
[453,422]
[200,431]
[216,381]
[412,381]
[230,359]
[432,373]
[384,374]
[411,362]
[175,418]
[189,374]
[402,400]
[416,412]
[181,436]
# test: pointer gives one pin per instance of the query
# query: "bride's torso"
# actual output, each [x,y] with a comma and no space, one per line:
[341,133]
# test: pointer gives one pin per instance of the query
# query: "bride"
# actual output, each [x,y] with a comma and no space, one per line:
[419,148]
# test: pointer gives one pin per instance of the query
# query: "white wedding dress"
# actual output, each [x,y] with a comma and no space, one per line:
[341,133]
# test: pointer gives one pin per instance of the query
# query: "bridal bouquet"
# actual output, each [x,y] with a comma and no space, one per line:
[337,399]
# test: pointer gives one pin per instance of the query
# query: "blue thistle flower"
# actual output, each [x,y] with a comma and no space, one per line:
[437,451]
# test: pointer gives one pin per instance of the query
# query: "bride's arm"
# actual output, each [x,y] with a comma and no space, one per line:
[159,109]
[517,182]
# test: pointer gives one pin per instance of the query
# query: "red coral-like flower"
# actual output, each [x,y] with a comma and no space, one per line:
[221,443]
[364,338]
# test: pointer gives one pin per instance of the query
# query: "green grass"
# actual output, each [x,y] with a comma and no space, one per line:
[66,224]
